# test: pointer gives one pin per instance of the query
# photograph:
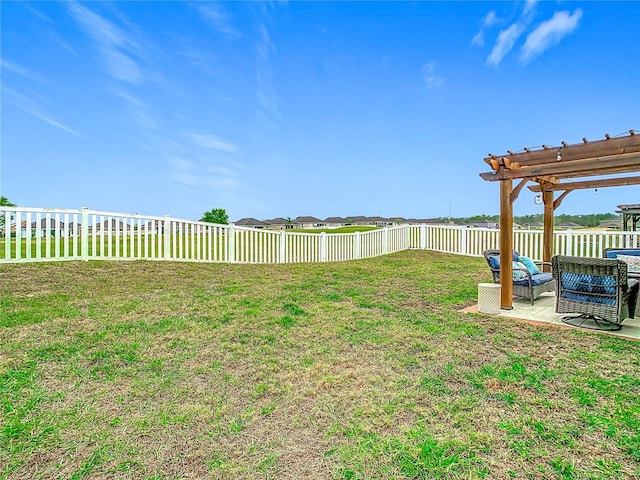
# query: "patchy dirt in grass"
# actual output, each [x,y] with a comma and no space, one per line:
[351,370]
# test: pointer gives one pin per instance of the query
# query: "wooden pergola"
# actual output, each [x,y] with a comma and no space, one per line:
[630,217]
[597,164]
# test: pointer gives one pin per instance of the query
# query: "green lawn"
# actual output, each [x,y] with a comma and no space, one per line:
[355,370]
[349,229]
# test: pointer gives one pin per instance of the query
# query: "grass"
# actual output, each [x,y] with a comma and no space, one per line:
[356,370]
[348,229]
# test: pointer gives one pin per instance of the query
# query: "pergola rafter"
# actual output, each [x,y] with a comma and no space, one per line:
[548,167]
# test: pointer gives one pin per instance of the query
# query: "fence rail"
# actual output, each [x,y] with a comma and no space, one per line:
[42,234]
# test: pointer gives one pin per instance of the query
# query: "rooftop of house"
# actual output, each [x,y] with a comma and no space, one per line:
[250,222]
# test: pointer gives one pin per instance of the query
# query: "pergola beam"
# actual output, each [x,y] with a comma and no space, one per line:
[610,164]
[581,185]
[585,150]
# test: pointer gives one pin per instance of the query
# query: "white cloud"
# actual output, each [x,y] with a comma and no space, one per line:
[212,142]
[97,27]
[54,123]
[22,71]
[28,105]
[199,174]
[12,67]
[266,95]
[37,12]
[431,76]
[211,181]
[180,163]
[550,33]
[504,44]
[114,44]
[219,170]
[478,39]
[529,5]
[265,45]
[214,15]
[489,20]
[122,67]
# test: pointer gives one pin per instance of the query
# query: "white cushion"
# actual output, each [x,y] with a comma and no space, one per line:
[632,261]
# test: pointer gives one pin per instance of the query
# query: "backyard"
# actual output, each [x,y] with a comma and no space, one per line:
[355,370]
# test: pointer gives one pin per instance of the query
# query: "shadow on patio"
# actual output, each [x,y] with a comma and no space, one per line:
[544,312]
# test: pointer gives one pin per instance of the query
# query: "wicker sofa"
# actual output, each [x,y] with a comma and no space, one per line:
[530,286]
[596,289]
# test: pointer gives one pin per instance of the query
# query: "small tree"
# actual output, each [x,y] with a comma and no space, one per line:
[216,215]
[4,202]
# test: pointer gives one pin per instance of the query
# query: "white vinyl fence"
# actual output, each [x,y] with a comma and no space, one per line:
[474,241]
[42,234]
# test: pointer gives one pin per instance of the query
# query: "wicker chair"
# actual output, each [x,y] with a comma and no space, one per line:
[530,287]
[597,289]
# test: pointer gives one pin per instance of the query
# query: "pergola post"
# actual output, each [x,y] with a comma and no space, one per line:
[547,235]
[506,243]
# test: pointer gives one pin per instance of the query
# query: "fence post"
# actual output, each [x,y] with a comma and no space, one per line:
[356,245]
[232,243]
[282,257]
[423,236]
[166,235]
[385,240]
[407,245]
[84,240]
[569,244]
[323,246]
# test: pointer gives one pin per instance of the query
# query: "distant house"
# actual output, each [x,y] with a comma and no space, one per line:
[484,224]
[357,220]
[308,222]
[335,222]
[106,226]
[52,228]
[568,225]
[75,228]
[23,229]
[251,222]
[379,221]
[426,221]
[279,223]
[612,223]
[154,226]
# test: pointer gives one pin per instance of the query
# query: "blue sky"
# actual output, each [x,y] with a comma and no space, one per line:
[280,109]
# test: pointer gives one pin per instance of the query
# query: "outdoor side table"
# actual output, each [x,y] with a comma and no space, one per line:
[489,297]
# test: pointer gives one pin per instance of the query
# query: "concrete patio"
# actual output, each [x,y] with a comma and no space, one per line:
[544,312]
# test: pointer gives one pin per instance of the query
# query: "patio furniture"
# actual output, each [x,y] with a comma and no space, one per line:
[525,284]
[598,290]
[630,255]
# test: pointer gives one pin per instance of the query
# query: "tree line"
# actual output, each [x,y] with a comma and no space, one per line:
[590,220]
